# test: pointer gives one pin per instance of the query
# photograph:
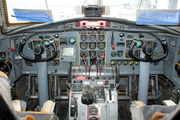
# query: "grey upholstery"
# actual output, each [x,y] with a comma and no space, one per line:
[6,108]
[145,112]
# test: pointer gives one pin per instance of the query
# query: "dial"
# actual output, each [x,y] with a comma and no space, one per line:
[113,54]
[83,54]
[101,37]
[72,41]
[93,111]
[92,53]
[83,45]
[100,53]
[83,37]
[125,62]
[119,62]
[92,37]
[101,45]
[92,45]
[120,53]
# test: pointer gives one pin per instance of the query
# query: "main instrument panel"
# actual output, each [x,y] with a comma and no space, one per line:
[109,47]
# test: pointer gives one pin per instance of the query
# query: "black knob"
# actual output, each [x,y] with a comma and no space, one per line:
[87,99]
[41,37]
[148,49]
[56,35]
[38,49]
[121,34]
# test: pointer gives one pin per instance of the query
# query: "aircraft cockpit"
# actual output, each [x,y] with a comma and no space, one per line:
[89,66]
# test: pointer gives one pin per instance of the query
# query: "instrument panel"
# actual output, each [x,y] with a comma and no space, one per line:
[105,43]
[92,44]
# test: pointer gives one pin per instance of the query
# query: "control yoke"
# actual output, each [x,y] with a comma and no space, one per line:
[38,51]
[148,51]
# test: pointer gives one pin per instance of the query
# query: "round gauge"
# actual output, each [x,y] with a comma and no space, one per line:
[100,53]
[92,53]
[101,37]
[93,111]
[113,54]
[92,46]
[83,45]
[83,54]
[83,37]
[101,45]
[92,37]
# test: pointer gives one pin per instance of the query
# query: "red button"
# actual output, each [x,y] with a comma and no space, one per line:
[72,94]
[77,23]
[83,58]
[108,24]
[84,23]
[79,69]
[101,23]
[102,56]
[113,46]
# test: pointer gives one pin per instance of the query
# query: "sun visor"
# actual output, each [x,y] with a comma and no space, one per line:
[31,15]
[158,17]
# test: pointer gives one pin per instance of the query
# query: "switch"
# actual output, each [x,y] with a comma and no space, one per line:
[72,107]
[72,94]
[79,69]
[113,46]
[136,63]
[131,62]
[77,24]
[113,62]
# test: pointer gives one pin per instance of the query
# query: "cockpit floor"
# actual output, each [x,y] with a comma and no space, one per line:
[123,110]
[62,109]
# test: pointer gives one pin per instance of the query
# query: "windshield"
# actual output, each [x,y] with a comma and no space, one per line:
[64,9]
